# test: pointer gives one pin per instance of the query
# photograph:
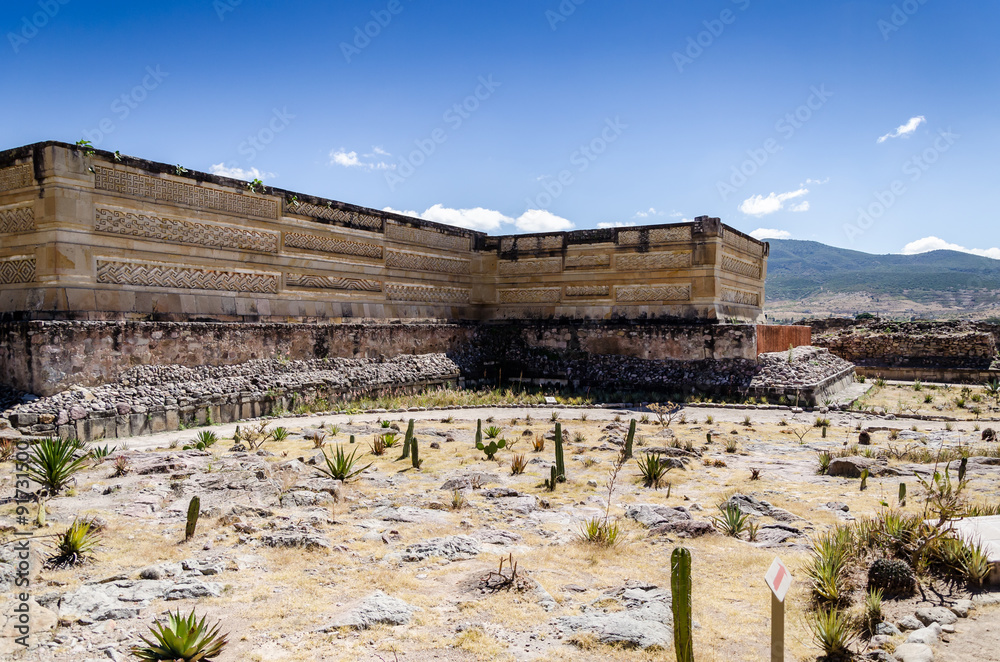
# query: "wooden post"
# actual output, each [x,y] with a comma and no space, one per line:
[777,629]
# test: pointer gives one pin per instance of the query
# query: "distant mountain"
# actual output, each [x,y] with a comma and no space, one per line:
[803,274]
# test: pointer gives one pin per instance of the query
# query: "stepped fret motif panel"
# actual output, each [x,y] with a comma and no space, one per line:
[366,221]
[531,295]
[427,263]
[527,267]
[588,261]
[15,177]
[545,243]
[650,261]
[332,245]
[663,235]
[185,232]
[588,290]
[332,283]
[168,191]
[400,292]
[730,238]
[629,238]
[17,219]
[407,234]
[632,293]
[734,265]
[20,269]
[189,278]
[741,297]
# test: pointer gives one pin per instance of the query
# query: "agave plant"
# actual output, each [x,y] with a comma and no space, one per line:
[652,470]
[341,465]
[184,638]
[518,463]
[75,546]
[280,434]
[203,441]
[51,463]
[390,439]
[833,631]
[100,453]
[492,432]
[731,520]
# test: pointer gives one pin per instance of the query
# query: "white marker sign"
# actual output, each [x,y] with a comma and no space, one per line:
[778,579]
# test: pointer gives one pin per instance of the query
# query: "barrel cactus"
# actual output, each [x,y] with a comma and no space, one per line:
[892,576]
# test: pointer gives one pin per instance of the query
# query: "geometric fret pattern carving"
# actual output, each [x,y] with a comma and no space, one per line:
[741,297]
[420,237]
[587,290]
[17,219]
[366,221]
[741,267]
[17,270]
[654,236]
[628,293]
[543,243]
[332,245]
[400,292]
[531,295]
[16,177]
[165,190]
[427,263]
[331,283]
[742,243]
[588,261]
[520,267]
[185,232]
[663,235]
[190,278]
[647,261]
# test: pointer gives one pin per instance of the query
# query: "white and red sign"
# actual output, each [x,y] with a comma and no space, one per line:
[778,579]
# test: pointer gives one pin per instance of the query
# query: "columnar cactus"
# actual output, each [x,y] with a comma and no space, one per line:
[194,508]
[407,440]
[550,482]
[560,462]
[629,438]
[415,453]
[902,494]
[479,431]
[680,588]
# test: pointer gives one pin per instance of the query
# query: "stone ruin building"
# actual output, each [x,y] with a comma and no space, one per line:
[109,263]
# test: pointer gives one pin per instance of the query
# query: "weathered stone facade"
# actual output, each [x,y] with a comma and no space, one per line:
[90,235]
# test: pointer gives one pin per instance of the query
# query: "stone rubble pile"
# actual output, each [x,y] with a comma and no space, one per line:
[808,366]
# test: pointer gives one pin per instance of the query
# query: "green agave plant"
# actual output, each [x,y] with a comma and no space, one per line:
[51,463]
[731,520]
[652,470]
[75,546]
[184,638]
[341,465]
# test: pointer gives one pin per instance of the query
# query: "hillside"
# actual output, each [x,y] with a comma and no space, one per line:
[810,278]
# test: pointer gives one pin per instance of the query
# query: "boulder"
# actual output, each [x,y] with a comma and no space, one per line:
[913,653]
[940,615]
[377,609]
[452,548]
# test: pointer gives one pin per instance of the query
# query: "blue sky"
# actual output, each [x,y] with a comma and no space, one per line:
[869,125]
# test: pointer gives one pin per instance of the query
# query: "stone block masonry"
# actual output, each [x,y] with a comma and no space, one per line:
[90,235]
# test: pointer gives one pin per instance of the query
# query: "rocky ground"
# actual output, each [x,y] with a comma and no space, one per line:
[397,563]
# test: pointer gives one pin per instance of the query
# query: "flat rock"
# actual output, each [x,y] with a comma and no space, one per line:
[377,609]
[913,653]
[646,621]
[940,615]
[683,528]
[451,547]
[909,623]
[651,515]
[295,538]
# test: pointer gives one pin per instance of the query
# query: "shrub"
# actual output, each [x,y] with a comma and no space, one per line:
[74,546]
[600,531]
[184,639]
[378,445]
[652,470]
[827,567]
[52,465]
[824,462]
[731,445]
[341,465]
[7,448]
[121,467]
[538,445]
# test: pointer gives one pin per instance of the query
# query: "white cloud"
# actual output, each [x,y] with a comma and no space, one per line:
[904,130]
[802,206]
[646,214]
[675,214]
[928,244]
[235,172]
[488,220]
[350,159]
[768,233]
[616,224]
[816,181]
[758,205]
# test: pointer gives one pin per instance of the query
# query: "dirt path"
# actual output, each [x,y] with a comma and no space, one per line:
[977,639]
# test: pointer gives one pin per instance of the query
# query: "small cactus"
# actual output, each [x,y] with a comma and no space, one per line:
[892,576]
[864,479]
[194,509]
[708,437]
[902,495]
[550,482]
[415,454]
[560,461]
[629,439]
[479,432]
[352,438]
[962,466]
[407,441]
[491,448]
[680,589]
[864,438]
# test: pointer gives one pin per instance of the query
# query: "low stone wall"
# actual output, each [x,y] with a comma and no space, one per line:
[154,399]
[941,375]
[812,376]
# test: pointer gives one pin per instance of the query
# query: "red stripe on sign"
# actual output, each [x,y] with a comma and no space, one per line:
[779,576]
